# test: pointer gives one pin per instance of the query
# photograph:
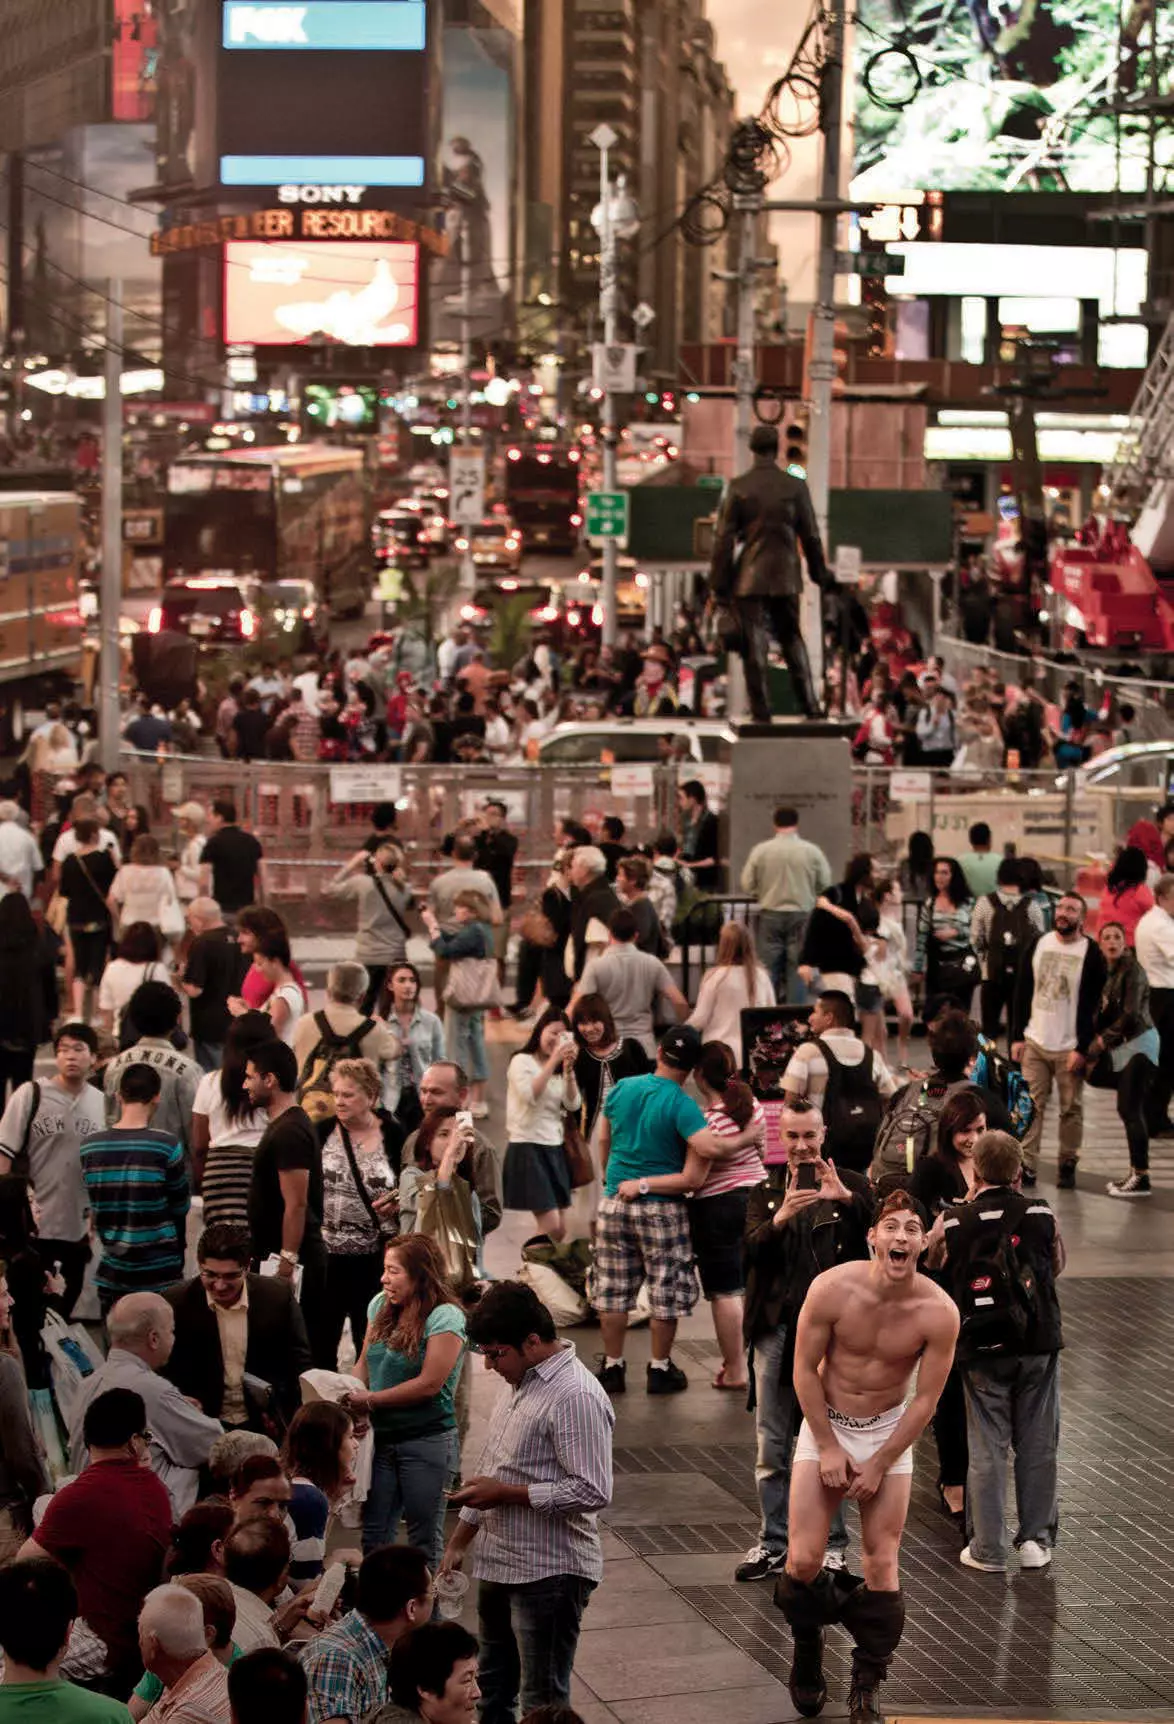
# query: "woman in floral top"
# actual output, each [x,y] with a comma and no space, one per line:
[361,1149]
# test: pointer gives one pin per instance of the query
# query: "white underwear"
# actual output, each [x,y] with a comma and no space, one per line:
[859,1438]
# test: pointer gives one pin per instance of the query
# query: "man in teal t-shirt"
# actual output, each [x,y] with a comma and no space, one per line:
[649,1124]
[38,1605]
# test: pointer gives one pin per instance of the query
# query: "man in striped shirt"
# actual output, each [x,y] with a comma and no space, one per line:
[139,1196]
[533,1510]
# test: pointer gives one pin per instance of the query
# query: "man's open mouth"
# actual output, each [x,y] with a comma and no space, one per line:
[898,1254]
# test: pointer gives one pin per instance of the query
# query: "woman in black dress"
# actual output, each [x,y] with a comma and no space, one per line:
[942,1177]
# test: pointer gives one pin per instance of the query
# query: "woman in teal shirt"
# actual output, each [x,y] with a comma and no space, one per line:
[411,1363]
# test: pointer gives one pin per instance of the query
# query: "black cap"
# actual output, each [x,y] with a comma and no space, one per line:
[681,1047]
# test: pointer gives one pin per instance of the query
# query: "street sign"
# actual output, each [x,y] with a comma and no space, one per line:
[613,367]
[710,482]
[466,486]
[870,265]
[608,514]
[847,565]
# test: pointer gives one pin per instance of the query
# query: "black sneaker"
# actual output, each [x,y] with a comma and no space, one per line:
[667,1382]
[1027,1178]
[614,1378]
[1067,1176]
[808,1689]
[1137,1185]
[863,1700]
[761,1564]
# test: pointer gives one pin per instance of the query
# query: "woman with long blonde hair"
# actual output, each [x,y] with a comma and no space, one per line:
[737,980]
[411,1364]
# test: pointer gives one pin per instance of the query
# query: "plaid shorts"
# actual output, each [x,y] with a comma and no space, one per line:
[644,1241]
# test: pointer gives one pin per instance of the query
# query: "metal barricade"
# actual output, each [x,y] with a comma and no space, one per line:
[1151,700]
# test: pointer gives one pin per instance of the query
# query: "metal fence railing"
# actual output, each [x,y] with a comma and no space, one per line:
[1152,701]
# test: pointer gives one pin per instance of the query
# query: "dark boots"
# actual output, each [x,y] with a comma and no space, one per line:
[873,1619]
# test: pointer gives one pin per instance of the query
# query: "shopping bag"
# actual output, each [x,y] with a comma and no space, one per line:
[73,1357]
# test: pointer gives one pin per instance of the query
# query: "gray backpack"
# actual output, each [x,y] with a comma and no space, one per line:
[909,1129]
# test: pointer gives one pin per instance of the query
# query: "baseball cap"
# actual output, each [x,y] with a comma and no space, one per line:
[681,1047]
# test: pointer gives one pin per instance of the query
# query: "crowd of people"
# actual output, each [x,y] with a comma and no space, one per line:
[255,1435]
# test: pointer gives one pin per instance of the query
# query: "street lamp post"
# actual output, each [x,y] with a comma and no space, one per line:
[615,217]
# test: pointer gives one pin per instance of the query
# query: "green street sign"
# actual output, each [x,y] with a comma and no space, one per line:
[710,482]
[607,515]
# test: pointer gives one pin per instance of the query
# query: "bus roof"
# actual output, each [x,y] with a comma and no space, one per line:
[280,457]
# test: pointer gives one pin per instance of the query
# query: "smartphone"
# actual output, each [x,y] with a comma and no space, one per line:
[464,1122]
[807,1176]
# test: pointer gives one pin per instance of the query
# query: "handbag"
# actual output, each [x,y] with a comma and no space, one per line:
[473,985]
[379,1222]
[57,913]
[957,974]
[537,929]
[172,922]
[579,1162]
[388,905]
[446,1217]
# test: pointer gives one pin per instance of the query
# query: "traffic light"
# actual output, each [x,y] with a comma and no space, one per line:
[875,299]
[795,439]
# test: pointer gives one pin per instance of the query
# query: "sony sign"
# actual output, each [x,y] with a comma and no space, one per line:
[321,194]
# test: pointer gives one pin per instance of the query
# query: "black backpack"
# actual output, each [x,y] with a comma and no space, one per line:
[995,1290]
[909,1129]
[852,1110]
[1011,932]
[314,1092]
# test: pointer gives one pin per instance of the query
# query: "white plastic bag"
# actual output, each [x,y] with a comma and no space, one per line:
[320,1385]
[565,1305]
[73,1357]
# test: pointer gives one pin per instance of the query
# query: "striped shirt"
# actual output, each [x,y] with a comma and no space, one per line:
[744,1167]
[553,1433]
[199,1697]
[139,1196]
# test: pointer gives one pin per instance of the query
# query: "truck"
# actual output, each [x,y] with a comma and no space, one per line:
[41,627]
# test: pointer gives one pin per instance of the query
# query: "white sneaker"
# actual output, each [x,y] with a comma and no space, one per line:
[968,1561]
[1033,1554]
[836,1560]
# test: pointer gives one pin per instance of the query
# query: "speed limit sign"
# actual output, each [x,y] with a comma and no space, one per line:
[466,486]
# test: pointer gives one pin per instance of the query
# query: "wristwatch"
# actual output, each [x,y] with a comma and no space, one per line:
[289,1257]
[643,1187]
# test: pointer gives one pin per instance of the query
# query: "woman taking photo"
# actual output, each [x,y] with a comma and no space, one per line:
[379,886]
[438,1197]
[361,1148]
[736,981]
[421,1040]
[226,1128]
[942,1177]
[945,957]
[319,1457]
[410,1364]
[1123,1054]
[717,1209]
[541,1091]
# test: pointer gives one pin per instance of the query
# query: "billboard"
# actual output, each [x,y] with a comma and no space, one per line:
[134,57]
[356,295]
[477,180]
[328,92]
[991,97]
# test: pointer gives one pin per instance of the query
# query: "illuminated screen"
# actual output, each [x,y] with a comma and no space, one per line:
[341,406]
[325,92]
[284,294]
[993,96]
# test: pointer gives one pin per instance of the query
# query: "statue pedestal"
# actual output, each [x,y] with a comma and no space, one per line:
[800,763]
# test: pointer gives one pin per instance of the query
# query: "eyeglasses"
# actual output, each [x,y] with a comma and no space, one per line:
[493,1354]
[211,1276]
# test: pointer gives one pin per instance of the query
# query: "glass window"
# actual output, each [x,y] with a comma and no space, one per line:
[1123,346]
[973,330]
[1041,316]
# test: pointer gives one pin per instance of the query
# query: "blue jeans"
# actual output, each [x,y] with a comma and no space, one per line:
[1012,1403]
[210,1055]
[780,946]
[777,1417]
[408,1480]
[464,1035]
[529,1635]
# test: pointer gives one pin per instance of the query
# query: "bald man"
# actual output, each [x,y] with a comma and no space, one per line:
[213,972]
[141,1328]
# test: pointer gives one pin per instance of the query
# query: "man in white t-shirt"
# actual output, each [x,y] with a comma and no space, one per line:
[1051,1027]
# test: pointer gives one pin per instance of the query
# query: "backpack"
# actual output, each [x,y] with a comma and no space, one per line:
[314,1083]
[852,1110]
[1006,1079]
[909,1129]
[1011,932]
[698,919]
[995,1292]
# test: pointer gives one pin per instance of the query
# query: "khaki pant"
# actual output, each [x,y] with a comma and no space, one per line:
[1041,1068]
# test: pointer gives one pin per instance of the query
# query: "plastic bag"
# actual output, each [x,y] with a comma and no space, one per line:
[72,1358]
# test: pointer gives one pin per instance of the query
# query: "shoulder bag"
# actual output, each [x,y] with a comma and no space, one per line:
[388,905]
[380,1223]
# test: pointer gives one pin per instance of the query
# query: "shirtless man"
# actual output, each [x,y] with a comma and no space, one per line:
[864,1329]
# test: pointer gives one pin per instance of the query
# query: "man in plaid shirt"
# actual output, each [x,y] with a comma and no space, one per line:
[346,1667]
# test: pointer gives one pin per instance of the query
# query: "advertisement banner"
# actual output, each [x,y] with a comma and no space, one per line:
[477,182]
[992,97]
[357,295]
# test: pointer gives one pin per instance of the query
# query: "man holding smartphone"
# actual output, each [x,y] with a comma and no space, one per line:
[805,1218]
